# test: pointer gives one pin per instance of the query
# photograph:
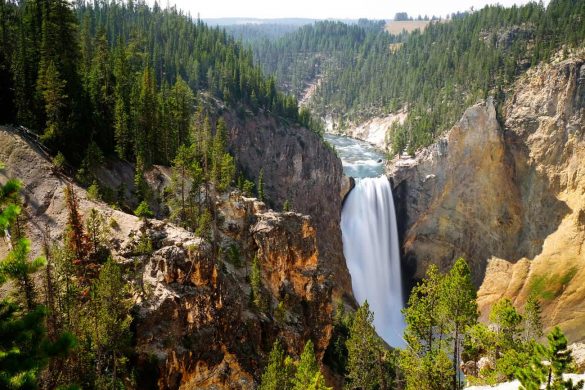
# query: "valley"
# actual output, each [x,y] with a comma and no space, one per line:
[293,203]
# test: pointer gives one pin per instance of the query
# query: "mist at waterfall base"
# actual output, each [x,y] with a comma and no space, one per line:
[370,237]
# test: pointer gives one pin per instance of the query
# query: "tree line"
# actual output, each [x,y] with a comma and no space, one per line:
[122,75]
[433,74]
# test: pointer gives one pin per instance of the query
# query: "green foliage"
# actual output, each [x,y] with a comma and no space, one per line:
[434,74]
[283,373]
[143,210]
[25,348]
[441,316]
[123,75]
[286,206]
[256,285]
[550,286]
[16,266]
[144,244]
[366,354]
[108,326]
[233,255]
[307,368]
[459,297]
[97,231]
[260,185]
[336,352]
[508,322]
[536,373]
[280,313]
[425,362]
[93,191]
[247,187]
[277,374]
[532,319]
[59,161]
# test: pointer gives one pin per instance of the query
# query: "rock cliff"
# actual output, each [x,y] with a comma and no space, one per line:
[298,167]
[194,323]
[508,194]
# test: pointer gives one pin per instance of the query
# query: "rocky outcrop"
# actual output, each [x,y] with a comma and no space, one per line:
[197,319]
[508,195]
[194,324]
[298,167]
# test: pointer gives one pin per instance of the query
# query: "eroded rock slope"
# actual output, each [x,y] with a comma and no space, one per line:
[508,195]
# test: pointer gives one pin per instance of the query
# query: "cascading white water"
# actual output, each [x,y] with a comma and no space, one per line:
[370,246]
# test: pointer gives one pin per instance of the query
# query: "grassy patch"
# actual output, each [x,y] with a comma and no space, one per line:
[549,287]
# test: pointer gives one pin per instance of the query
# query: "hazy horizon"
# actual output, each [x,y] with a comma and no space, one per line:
[340,9]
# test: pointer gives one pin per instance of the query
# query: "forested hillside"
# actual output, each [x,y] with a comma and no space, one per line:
[434,74]
[299,58]
[115,73]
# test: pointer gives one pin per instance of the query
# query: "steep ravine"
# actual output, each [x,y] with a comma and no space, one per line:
[195,326]
[509,198]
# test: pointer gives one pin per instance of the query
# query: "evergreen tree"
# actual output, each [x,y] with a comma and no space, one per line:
[425,361]
[307,368]
[109,326]
[276,375]
[559,359]
[366,354]
[504,315]
[532,319]
[256,284]
[318,383]
[16,266]
[461,307]
[25,348]
[52,89]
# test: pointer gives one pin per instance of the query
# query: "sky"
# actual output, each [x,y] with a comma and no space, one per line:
[325,9]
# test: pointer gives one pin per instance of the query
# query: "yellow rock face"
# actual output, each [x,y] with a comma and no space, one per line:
[507,196]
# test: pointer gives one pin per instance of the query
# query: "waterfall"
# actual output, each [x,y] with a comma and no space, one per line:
[370,246]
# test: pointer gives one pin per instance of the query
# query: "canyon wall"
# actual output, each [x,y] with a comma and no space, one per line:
[302,169]
[508,194]
[194,323]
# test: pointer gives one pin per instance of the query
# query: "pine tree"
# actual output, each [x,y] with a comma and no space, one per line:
[108,325]
[318,383]
[146,119]
[97,231]
[143,210]
[307,368]
[365,365]
[461,307]
[277,374]
[559,359]
[504,315]
[425,362]
[532,319]
[52,88]
[24,346]
[16,266]
[256,284]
